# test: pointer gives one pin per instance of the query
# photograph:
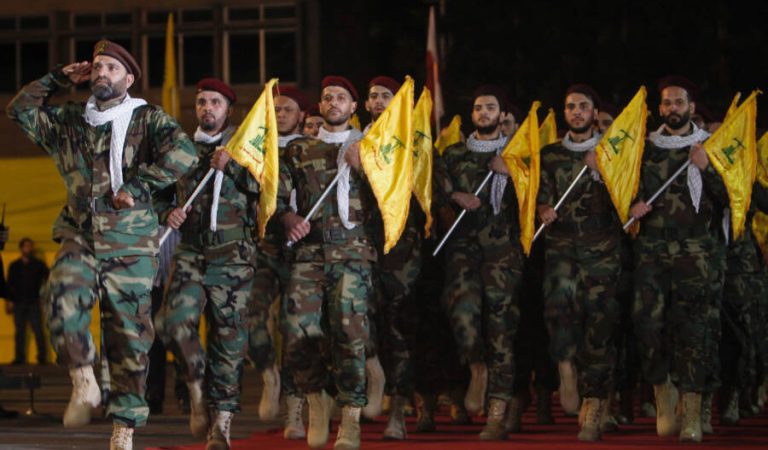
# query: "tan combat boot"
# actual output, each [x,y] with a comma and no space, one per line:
[474,400]
[320,405]
[395,429]
[374,375]
[495,426]
[86,395]
[348,437]
[569,391]
[591,414]
[198,414]
[122,437]
[691,429]
[666,405]
[294,423]
[269,405]
[218,435]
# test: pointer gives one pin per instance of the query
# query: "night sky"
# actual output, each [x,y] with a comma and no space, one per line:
[537,48]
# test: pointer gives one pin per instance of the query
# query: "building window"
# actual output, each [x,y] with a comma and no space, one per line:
[281,56]
[34,61]
[198,58]
[8,67]
[244,59]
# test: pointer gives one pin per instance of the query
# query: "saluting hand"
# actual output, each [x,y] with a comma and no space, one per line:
[78,72]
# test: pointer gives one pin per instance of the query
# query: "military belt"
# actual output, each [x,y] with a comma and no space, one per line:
[208,237]
[318,235]
[102,204]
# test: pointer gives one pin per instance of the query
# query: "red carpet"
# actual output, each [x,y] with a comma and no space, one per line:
[751,433]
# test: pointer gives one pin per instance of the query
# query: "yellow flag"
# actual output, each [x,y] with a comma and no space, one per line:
[760,220]
[422,155]
[355,122]
[254,146]
[171,102]
[521,156]
[449,136]
[386,153]
[733,106]
[619,153]
[548,129]
[732,150]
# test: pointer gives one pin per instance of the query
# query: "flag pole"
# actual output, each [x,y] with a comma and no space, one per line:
[463,213]
[191,199]
[319,202]
[661,189]
[560,202]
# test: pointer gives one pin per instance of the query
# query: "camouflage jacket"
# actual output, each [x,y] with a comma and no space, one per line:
[462,170]
[157,153]
[308,166]
[673,215]
[273,242]
[587,211]
[236,218]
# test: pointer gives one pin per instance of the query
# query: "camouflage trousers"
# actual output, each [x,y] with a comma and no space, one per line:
[326,314]
[480,299]
[219,278]
[580,307]
[714,334]
[740,344]
[272,271]
[672,299]
[398,273]
[123,287]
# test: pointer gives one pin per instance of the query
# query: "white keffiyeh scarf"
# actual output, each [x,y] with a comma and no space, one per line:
[345,138]
[218,139]
[499,181]
[660,140]
[120,116]
[584,146]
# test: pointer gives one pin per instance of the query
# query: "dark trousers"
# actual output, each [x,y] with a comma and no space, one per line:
[23,313]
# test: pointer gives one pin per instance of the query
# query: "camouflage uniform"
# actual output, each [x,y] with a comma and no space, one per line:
[581,270]
[398,272]
[673,271]
[216,267]
[484,264]
[741,303]
[331,275]
[714,322]
[105,253]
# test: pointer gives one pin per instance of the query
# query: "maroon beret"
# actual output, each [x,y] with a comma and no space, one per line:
[292,93]
[334,80]
[216,85]
[676,80]
[586,90]
[387,82]
[494,91]
[109,48]
[313,111]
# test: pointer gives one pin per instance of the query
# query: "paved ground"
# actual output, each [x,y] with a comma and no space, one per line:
[44,430]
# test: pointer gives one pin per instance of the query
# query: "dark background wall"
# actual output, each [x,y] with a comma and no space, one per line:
[537,48]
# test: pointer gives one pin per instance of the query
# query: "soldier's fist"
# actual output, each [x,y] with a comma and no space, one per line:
[498,166]
[699,156]
[176,218]
[639,209]
[352,156]
[295,226]
[590,159]
[78,72]
[122,200]
[547,214]
[220,158]
[466,201]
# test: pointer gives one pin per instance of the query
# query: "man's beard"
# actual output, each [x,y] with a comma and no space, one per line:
[680,123]
[583,129]
[208,125]
[336,122]
[487,129]
[106,92]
